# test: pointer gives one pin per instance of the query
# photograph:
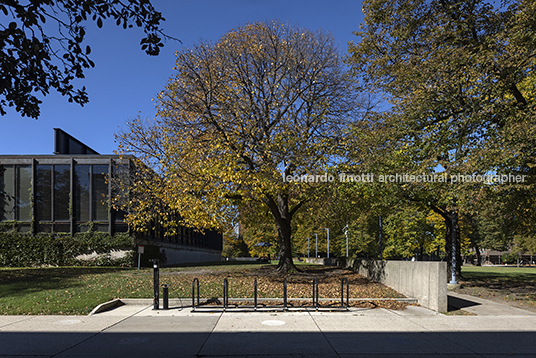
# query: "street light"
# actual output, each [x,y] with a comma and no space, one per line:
[453,280]
[316,246]
[345,229]
[328,241]
[380,234]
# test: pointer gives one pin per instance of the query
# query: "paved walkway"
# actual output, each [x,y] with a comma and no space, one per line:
[482,307]
[139,331]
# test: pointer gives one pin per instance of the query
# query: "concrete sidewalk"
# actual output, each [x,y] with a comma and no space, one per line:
[139,331]
[482,307]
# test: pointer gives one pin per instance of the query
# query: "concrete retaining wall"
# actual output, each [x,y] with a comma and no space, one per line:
[423,280]
[175,254]
[244,259]
[322,261]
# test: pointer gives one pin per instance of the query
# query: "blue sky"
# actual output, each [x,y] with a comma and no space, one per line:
[125,80]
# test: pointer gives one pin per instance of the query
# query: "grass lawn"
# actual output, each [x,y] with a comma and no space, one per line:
[77,290]
[525,274]
[506,284]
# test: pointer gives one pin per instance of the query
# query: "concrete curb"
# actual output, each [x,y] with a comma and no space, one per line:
[176,302]
[106,306]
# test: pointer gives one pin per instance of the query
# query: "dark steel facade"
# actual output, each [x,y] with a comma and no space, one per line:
[69,192]
[59,193]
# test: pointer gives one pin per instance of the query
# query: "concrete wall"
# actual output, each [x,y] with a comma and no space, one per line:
[322,261]
[175,254]
[245,259]
[423,280]
[183,256]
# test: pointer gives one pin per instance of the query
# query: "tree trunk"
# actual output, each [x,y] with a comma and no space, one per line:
[478,256]
[449,217]
[282,217]
[284,232]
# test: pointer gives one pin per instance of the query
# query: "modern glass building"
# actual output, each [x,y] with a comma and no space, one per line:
[63,192]
[68,192]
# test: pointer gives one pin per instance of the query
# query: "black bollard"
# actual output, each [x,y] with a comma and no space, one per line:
[156,275]
[165,296]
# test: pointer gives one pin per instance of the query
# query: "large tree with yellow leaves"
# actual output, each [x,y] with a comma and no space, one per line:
[268,101]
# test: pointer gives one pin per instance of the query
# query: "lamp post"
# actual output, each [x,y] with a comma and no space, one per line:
[345,229]
[380,223]
[328,241]
[307,247]
[453,273]
[316,246]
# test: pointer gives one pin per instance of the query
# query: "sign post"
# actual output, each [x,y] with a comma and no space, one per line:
[328,241]
[316,246]
[345,229]
[140,251]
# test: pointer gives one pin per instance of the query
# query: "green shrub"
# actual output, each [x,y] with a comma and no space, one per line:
[23,249]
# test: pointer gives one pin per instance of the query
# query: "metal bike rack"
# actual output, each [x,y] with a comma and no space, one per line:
[315,293]
[285,294]
[225,306]
[343,281]
[196,280]
[225,294]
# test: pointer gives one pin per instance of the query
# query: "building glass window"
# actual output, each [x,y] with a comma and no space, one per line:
[100,193]
[62,227]
[23,190]
[7,192]
[82,190]
[120,215]
[43,192]
[62,187]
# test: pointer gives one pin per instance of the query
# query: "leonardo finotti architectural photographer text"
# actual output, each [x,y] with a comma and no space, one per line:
[405,178]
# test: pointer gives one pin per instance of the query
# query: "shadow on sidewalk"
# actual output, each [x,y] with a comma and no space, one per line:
[167,344]
[456,303]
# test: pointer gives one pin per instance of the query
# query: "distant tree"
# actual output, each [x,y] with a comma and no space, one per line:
[235,247]
[410,232]
[267,101]
[256,226]
[36,58]
[336,206]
